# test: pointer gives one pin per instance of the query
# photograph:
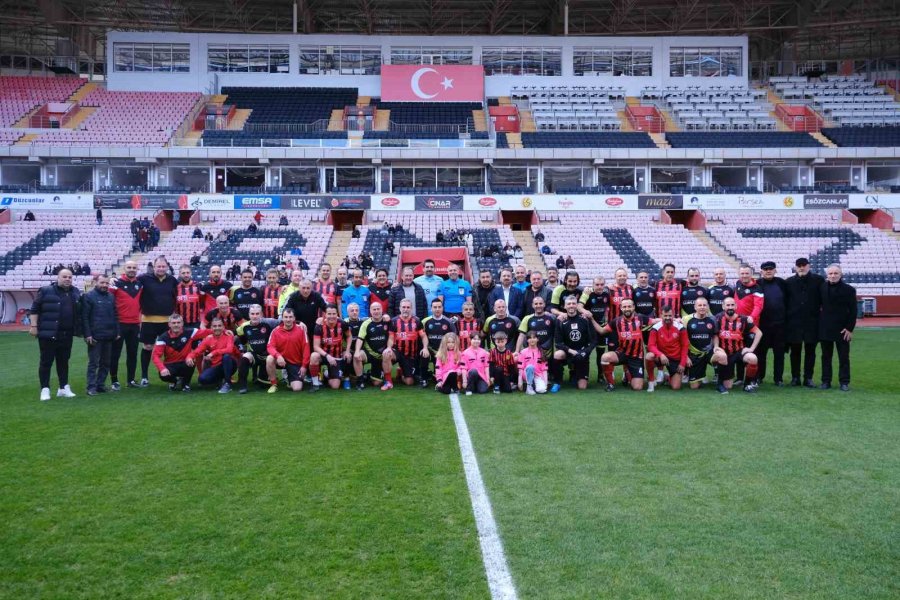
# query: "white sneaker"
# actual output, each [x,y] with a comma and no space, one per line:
[45,394]
[529,391]
[651,386]
[468,393]
[660,375]
[65,392]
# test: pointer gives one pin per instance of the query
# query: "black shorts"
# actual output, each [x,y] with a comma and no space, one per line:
[408,365]
[334,372]
[293,372]
[672,367]
[634,366]
[375,361]
[579,368]
[698,366]
[151,331]
[727,371]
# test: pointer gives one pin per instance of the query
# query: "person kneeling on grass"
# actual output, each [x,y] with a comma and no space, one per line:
[504,373]
[171,351]
[331,349]
[289,350]
[253,336]
[668,348]
[217,356]
[447,364]
[732,329]
[474,367]
[532,366]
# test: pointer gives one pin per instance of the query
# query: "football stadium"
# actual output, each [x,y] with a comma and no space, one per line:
[449,299]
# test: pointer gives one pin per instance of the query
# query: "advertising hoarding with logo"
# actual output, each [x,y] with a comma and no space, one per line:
[826,201]
[211,202]
[258,202]
[47,201]
[440,203]
[660,202]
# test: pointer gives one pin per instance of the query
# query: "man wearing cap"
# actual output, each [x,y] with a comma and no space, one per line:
[771,322]
[804,303]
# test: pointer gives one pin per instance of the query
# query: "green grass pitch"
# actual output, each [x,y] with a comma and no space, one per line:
[788,493]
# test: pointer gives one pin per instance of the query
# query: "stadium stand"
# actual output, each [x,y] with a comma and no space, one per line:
[126,119]
[870,258]
[629,238]
[587,139]
[571,108]
[19,95]
[847,100]
[866,136]
[27,247]
[743,139]
[715,108]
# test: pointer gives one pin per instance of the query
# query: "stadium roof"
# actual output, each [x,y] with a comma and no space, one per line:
[810,29]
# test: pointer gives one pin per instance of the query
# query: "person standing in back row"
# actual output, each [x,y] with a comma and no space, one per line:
[804,303]
[55,322]
[157,305]
[836,326]
[101,328]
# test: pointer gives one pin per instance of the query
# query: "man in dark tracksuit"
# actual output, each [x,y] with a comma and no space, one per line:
[101,328]
[55,322]
[804,303]
[836,326]
[771,322]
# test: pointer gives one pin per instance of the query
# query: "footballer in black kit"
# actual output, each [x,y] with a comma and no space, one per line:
[575,340]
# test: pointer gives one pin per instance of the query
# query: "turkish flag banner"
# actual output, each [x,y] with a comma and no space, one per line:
[432,83]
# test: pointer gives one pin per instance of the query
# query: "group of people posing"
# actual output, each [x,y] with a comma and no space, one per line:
[524,332]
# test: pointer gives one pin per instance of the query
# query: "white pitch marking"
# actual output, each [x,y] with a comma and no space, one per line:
[499,579]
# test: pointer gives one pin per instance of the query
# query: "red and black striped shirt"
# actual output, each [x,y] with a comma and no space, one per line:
[326,289]
[406,335]
[628,333]
[617,293]
[270,301]
[189,301]
[731,332]
[668,295]
[331,338]
[231,319]
[505,361]
[466,328]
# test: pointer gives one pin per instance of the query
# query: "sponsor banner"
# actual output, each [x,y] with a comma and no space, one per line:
[874,201]
[310,202]
[139,201]
[439,203]
[257,202]
[432,83]
[551,202]
[211,202]
[393,203]
[826,201]
[744,202]
[47,201]
[660,202]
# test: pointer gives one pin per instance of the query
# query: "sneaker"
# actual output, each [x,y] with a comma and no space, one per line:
[554,388]
[845,387]
[346,384]
[795,382]
[45,394]
[179,384]
[314,388]
[424,383]
[750,388]
[361,385]
[496,389]
[186,389]
[272,389]
[825,386]
[810,384]
[226,388]
[610,387]
[387,386]
[722,389]
[651,386]
[145,382]
[468,392]
[529,391]
[65,392]
[704,381]
[133,384]
[171,387]
[242,390]
[660,375]
[115,386]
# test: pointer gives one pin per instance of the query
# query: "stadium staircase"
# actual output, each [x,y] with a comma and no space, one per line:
[141,258]
[714,246]
[26,139]
[81,93]
[529,246]
[514,140]
[382,120]
[336,122]
[671,125]
[775,100]
[241,115]
[338,248]
[479,120]
[820,137]
[660,140]
[526,119]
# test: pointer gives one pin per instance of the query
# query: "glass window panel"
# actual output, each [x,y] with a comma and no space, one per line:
[710,62]
[643,63]
[603,62]
[676,62]
[124,57]
[162,58]
[622,62]
[258,59]
[143,57]
[181,58]
[425,177]
[552,62]
[309,59]
[509,176]
[217,58]
[402,177]
[238,61]
[492,60]
[531,61]
[582,62]
[279,59]
[621,176]
[691,62]
[732,63]
[349,59]
[405,56]
[473,176]
[355,176]
[448,176]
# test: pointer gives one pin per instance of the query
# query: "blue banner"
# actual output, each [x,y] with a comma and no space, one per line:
[258,202]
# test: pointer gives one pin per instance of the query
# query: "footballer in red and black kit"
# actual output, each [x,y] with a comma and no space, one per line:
[644,295]
[596,301]
[543,325]
[618,292]
[575,340]
[331,349]
[408,341]
[215,287]
[668,290]
[127,293]
[626,345]
[171,350]
[749,295]
[231,317]
[189,298]
[380,290]
[325,286]
[271,295]
[732,330]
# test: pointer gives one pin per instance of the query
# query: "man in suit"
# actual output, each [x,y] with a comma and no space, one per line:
[804,303]
[506,291]
[836,325]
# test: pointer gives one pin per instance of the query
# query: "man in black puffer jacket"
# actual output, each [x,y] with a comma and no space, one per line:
[55,321]
[101,329]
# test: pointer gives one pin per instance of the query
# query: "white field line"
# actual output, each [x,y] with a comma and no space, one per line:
[499,579]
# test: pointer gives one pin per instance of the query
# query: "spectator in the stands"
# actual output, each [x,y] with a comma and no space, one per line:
[99,216]
[283,221]
[302,265]
[195,260]
[356,232]
[85,269]
[135,226]
[251,228]
[258,217]
[222,236]
[538,236]
[208,237]
[29,216]
[143,237]
[145,222]
[389,246]
[398,227]
[518,253]
[391,230]
[232,238]
[198,234]
[76,268]
[570,264]
[545,249]
[384,229]
[439,236]
[48,270]
[560,262]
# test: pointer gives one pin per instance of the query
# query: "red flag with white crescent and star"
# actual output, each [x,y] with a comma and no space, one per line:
[432,83]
